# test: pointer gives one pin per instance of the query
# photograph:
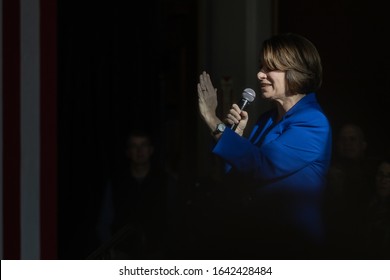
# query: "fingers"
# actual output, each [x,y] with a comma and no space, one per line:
[235,115]
[207,94]
[202,82]
[200,91]
[205,82]
[244,115]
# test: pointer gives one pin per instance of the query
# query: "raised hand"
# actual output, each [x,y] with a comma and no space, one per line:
[207,97]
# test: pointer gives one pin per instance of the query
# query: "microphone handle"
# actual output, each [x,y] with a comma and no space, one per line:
[234,126]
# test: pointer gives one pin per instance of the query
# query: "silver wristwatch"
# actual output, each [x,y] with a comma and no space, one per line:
[219,129]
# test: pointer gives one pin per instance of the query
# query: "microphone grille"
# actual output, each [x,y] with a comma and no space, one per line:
[249,94]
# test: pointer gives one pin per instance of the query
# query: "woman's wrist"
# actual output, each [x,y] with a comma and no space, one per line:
[212,122]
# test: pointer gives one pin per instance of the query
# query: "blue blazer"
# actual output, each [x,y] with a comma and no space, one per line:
[287,162]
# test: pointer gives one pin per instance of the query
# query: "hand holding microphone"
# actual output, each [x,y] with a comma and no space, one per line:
[236,114]
[207,101]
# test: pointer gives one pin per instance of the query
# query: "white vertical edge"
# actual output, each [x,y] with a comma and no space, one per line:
[1,130]
[30,130]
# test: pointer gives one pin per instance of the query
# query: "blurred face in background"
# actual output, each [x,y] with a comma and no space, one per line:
[139,150]
[383,179]
[351,143]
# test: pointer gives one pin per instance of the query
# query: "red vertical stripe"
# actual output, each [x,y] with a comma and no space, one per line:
[48,123]
[11,128]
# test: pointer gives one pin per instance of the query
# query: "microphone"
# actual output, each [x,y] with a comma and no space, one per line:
[248,95]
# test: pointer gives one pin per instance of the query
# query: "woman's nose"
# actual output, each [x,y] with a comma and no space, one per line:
[261,75]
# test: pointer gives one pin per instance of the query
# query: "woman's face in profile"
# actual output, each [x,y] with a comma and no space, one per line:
[272,83]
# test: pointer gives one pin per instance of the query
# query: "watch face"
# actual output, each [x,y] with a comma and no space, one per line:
[221,127]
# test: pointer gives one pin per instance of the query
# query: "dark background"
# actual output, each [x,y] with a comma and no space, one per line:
[123,65]
[350,36]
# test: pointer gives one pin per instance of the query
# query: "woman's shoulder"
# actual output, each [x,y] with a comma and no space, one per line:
[311,112]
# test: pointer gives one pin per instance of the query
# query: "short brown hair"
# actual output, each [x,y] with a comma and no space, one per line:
[298,57]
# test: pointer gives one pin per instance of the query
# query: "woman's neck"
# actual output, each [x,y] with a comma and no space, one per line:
[286,104]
